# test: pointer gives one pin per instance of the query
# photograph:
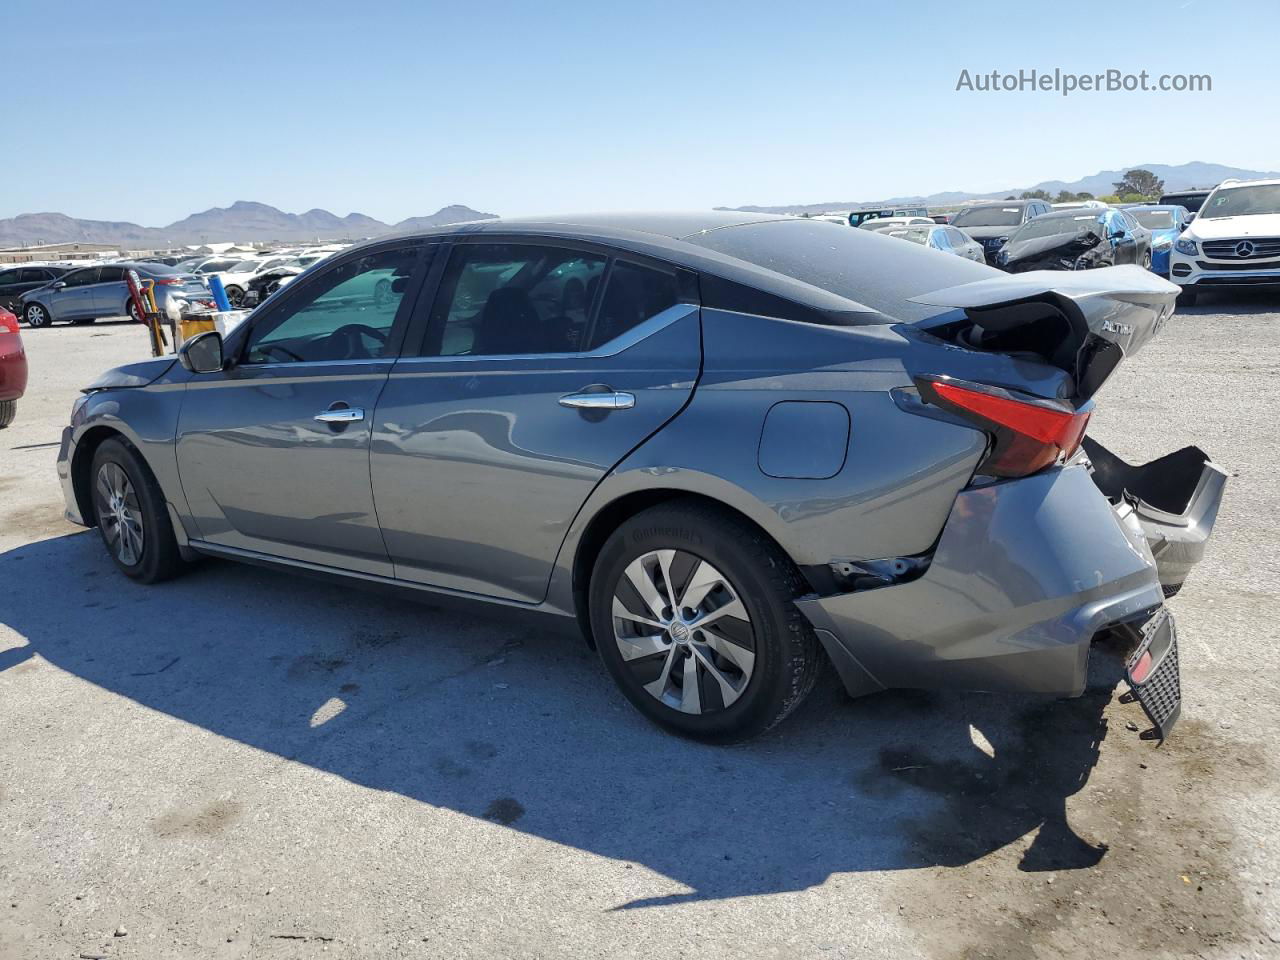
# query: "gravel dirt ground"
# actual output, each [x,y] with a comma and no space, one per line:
[243,763]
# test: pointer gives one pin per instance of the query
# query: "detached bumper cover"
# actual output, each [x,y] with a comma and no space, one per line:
[1026,572]
[1174,499]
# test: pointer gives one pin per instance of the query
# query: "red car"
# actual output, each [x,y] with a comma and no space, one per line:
[13,367]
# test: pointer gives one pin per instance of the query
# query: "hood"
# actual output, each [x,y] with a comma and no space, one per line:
[1225,228]
[138,374]
[1065,244]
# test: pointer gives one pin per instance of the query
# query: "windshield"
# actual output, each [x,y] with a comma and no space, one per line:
[1242,201]
[993,216]
[1154,219]
[1055,226]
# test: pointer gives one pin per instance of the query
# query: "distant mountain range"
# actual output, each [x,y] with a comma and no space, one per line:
[243,221]
[1182,177]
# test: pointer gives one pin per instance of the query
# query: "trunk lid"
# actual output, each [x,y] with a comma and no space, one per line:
[1083,322]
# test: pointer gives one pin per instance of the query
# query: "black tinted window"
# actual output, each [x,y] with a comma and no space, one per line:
[8,276]
[110,274]
[632,295]
[32,275]
[498,299]
[78,278]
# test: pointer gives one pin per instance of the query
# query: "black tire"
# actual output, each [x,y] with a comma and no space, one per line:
[158,559]
[1187,298]
[1146,260]
[787,656]
[131,311]
[1170,589]
[37,315]
[8,410]
[235,296]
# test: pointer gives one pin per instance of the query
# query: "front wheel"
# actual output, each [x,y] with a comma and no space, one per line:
[37,315]
[235,296]
[131,515]
[1146,260]
[692,612]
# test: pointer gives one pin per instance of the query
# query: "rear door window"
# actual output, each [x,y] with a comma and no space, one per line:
[632,295]
[513,299]
[111,275]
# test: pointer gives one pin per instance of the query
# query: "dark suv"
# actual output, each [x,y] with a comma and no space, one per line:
[992,223]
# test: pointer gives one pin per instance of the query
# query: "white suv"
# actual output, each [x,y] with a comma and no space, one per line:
[1234,240]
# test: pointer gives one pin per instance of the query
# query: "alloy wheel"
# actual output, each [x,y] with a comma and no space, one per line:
[684,632]
[119,514]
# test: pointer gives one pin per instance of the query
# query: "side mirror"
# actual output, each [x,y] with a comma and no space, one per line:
[202,353]
[59,284]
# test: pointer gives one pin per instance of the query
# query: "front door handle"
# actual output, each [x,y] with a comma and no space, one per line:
[611,400]
[340,415]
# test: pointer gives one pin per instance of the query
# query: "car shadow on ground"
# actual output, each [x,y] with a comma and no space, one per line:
[1230,303]
[525,729]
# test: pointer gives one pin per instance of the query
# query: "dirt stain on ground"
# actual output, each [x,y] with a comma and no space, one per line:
[201,822]
[504,810]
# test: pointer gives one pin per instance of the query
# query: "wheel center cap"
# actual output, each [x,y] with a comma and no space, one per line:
[680,631]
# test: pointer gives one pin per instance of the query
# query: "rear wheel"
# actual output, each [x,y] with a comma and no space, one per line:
[691,609]
[1146,260]
[131,514]
[37,315]
[131,309]
[8,410]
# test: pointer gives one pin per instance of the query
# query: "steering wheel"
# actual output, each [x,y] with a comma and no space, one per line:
[351,338]
[270,348]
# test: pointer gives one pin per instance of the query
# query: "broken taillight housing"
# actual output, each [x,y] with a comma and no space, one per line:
[1028,433]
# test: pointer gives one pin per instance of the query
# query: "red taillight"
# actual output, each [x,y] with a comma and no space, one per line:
[1029,433]
[8,322]
[169,281]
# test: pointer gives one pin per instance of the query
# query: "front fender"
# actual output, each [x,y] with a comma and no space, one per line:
[147,418]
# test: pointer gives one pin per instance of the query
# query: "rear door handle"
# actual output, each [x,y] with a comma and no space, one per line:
[340,415]
[612,400]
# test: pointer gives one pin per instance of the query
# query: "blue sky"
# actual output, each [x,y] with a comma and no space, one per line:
[150,111]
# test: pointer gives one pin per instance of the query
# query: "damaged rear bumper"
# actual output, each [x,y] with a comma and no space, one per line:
[1025,574]
[1174,499]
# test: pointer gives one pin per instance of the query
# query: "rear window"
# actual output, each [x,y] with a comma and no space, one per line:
[997,215]
[861,265]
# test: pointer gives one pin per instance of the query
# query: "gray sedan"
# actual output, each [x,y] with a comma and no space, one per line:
[87,293]
[729,449]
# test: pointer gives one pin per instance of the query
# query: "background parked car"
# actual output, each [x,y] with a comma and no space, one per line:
[1234,241]
[1165,223]
[1076,240]
[940,237]
[269,281]
[16,281]
[888,223]
[83,295]
[13,367]
[235,279]
[1191,199]
[991,224]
